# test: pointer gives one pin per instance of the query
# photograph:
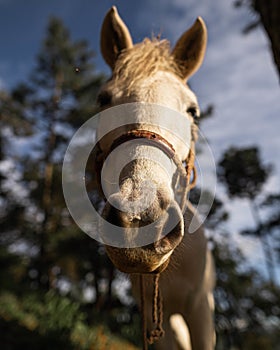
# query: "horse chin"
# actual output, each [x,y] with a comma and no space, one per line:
[138,260]
[151,259]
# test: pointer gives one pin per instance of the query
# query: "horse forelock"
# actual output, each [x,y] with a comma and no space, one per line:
[144,60]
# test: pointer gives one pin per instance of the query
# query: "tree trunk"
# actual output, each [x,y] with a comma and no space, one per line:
[266,247]
[45,275]
[269,11]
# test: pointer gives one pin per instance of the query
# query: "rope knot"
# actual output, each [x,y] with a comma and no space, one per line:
[158,331]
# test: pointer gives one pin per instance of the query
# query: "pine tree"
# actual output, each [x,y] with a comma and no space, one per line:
[58,98]
[268,15]
[47,263]
[244,175]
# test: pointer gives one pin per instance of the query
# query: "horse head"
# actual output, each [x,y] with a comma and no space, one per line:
[148,80]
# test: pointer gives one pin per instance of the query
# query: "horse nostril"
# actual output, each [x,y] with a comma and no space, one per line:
[134,221]
[134,218]
[172,230]
[163,246]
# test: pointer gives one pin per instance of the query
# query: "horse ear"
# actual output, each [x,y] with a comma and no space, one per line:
[115,37]
[190,49]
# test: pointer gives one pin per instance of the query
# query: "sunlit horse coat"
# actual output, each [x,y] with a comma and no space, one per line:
[149,72]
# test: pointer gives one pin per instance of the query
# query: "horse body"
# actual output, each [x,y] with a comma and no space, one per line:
[148,73]
[187,290]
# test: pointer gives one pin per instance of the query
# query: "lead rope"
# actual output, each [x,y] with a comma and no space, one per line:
[158,331]
[143,312]
[184,174]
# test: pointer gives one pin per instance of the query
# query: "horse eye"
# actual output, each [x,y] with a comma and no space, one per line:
[193,112]
[104,98]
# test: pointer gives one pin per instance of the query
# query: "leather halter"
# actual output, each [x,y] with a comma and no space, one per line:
[158,141]
[153,138]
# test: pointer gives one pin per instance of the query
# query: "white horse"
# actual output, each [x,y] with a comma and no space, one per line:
[150,73]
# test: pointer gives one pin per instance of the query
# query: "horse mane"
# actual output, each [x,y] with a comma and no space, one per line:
[143,60]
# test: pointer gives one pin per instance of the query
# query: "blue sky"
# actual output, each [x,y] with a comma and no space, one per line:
[238,76]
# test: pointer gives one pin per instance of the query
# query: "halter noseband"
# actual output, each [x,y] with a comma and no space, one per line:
[153,138]
[185,170]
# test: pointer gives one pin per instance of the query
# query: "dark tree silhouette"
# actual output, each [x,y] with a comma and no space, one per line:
[244,175]
[269,17]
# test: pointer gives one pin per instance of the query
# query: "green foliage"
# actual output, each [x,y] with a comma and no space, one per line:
[247,312]
[51,321]
[57,98]
[40,247]
[244,175]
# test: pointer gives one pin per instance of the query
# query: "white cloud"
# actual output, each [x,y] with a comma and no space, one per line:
[238,75]
[239,78]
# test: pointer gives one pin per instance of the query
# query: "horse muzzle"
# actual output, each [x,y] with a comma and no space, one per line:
[141,242]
